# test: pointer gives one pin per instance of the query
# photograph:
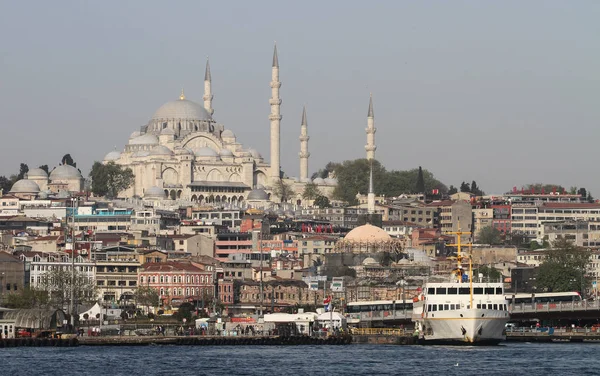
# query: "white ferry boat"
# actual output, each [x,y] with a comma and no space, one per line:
[461,311]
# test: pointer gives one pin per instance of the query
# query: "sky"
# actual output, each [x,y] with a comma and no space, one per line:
[502,92]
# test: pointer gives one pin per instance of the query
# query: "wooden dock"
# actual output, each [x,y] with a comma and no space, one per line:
[559,335]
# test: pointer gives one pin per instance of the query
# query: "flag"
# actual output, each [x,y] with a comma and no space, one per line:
[435,191]
[327,303]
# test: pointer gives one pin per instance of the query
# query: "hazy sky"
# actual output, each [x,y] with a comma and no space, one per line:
[503,92]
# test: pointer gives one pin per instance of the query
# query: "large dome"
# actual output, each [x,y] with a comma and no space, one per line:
[112,156]
[258,195]
[367,233]
[65,172]
[154,192]
[25,186]
[181,109]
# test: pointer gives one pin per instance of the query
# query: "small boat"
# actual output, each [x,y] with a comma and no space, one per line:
[461,311]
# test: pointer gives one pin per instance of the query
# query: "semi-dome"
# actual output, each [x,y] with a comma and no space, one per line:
[182,109]
[254,153]
[370,261]
[161,150]
[258,195]
[141,154]
[25,186]
[205,151]
[367,233]
[319,181]
[112,156]
[225,153]
[135,134]
[36,173]
[65,172]
[183,151]
[227,133]
[154,192]
[145,139]
[167,132]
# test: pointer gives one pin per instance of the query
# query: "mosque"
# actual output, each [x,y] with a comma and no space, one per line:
[184,153]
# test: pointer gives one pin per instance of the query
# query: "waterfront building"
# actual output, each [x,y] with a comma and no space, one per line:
[178,282]
[116,273]
[13,276]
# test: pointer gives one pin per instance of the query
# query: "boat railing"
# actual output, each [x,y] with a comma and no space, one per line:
[379,331]
[583,305]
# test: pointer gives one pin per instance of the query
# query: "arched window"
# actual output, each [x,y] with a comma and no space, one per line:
[162,291]
[187,279]
[187,291]
[180,280]
[141,279]
[202,279]
[162,279]
[180,291]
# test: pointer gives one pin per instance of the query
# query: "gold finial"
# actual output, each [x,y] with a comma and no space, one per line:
[182,96]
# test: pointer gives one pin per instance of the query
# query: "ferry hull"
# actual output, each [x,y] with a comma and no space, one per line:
[464,327]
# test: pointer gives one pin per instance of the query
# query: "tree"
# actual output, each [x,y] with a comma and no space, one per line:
[452,190]
[45,168]
[23,170]
[59,283]
[489,273]
[563,268]
[322,202]
[5,184]
[283,190]
[464,187]
[146,296]
[110,179]
[489,235]
[311,191]
[583,192]
[475,189]
[68,160]
[27,298]
[353,178]
[420,186]
[325,172]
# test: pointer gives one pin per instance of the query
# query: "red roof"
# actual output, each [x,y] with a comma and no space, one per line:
[170,266]
[573,205]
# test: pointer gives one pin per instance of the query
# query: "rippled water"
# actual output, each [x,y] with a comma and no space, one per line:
[507,359]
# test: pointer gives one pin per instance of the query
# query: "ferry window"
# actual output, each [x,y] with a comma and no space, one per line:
[440,291]
[498,290]
[478,290]
[428,307]
[505,308]
[452,307]
[496,306]
[452,290]
[441,307]
[478,306]
[434,306]
[446,307]
[489,290]
[431,291]
[463,291]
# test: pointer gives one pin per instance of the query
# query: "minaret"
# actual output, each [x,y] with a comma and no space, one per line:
[371,195]
[275,118]
[370,146]
[208,90]
[304,154]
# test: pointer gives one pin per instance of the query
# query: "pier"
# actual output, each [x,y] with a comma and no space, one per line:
[175,340]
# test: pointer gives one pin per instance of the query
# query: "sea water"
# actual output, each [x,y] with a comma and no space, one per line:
[508,359]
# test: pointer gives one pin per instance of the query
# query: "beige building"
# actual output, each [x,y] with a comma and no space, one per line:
[482,218]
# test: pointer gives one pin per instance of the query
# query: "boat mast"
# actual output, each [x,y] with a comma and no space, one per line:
[459,258]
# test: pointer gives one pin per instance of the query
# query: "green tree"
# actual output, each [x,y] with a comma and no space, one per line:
[452,190]
[68,160]
[110,179]
[59,283]
[475,189]
[420,186]
[488,273]
[563,268]
[322,202]
[283,190]
[23,169]
[27,298]
[311,191]
[353,178]
[5,184]
[146,296]
[464,187]
[45,168]
[489,235]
